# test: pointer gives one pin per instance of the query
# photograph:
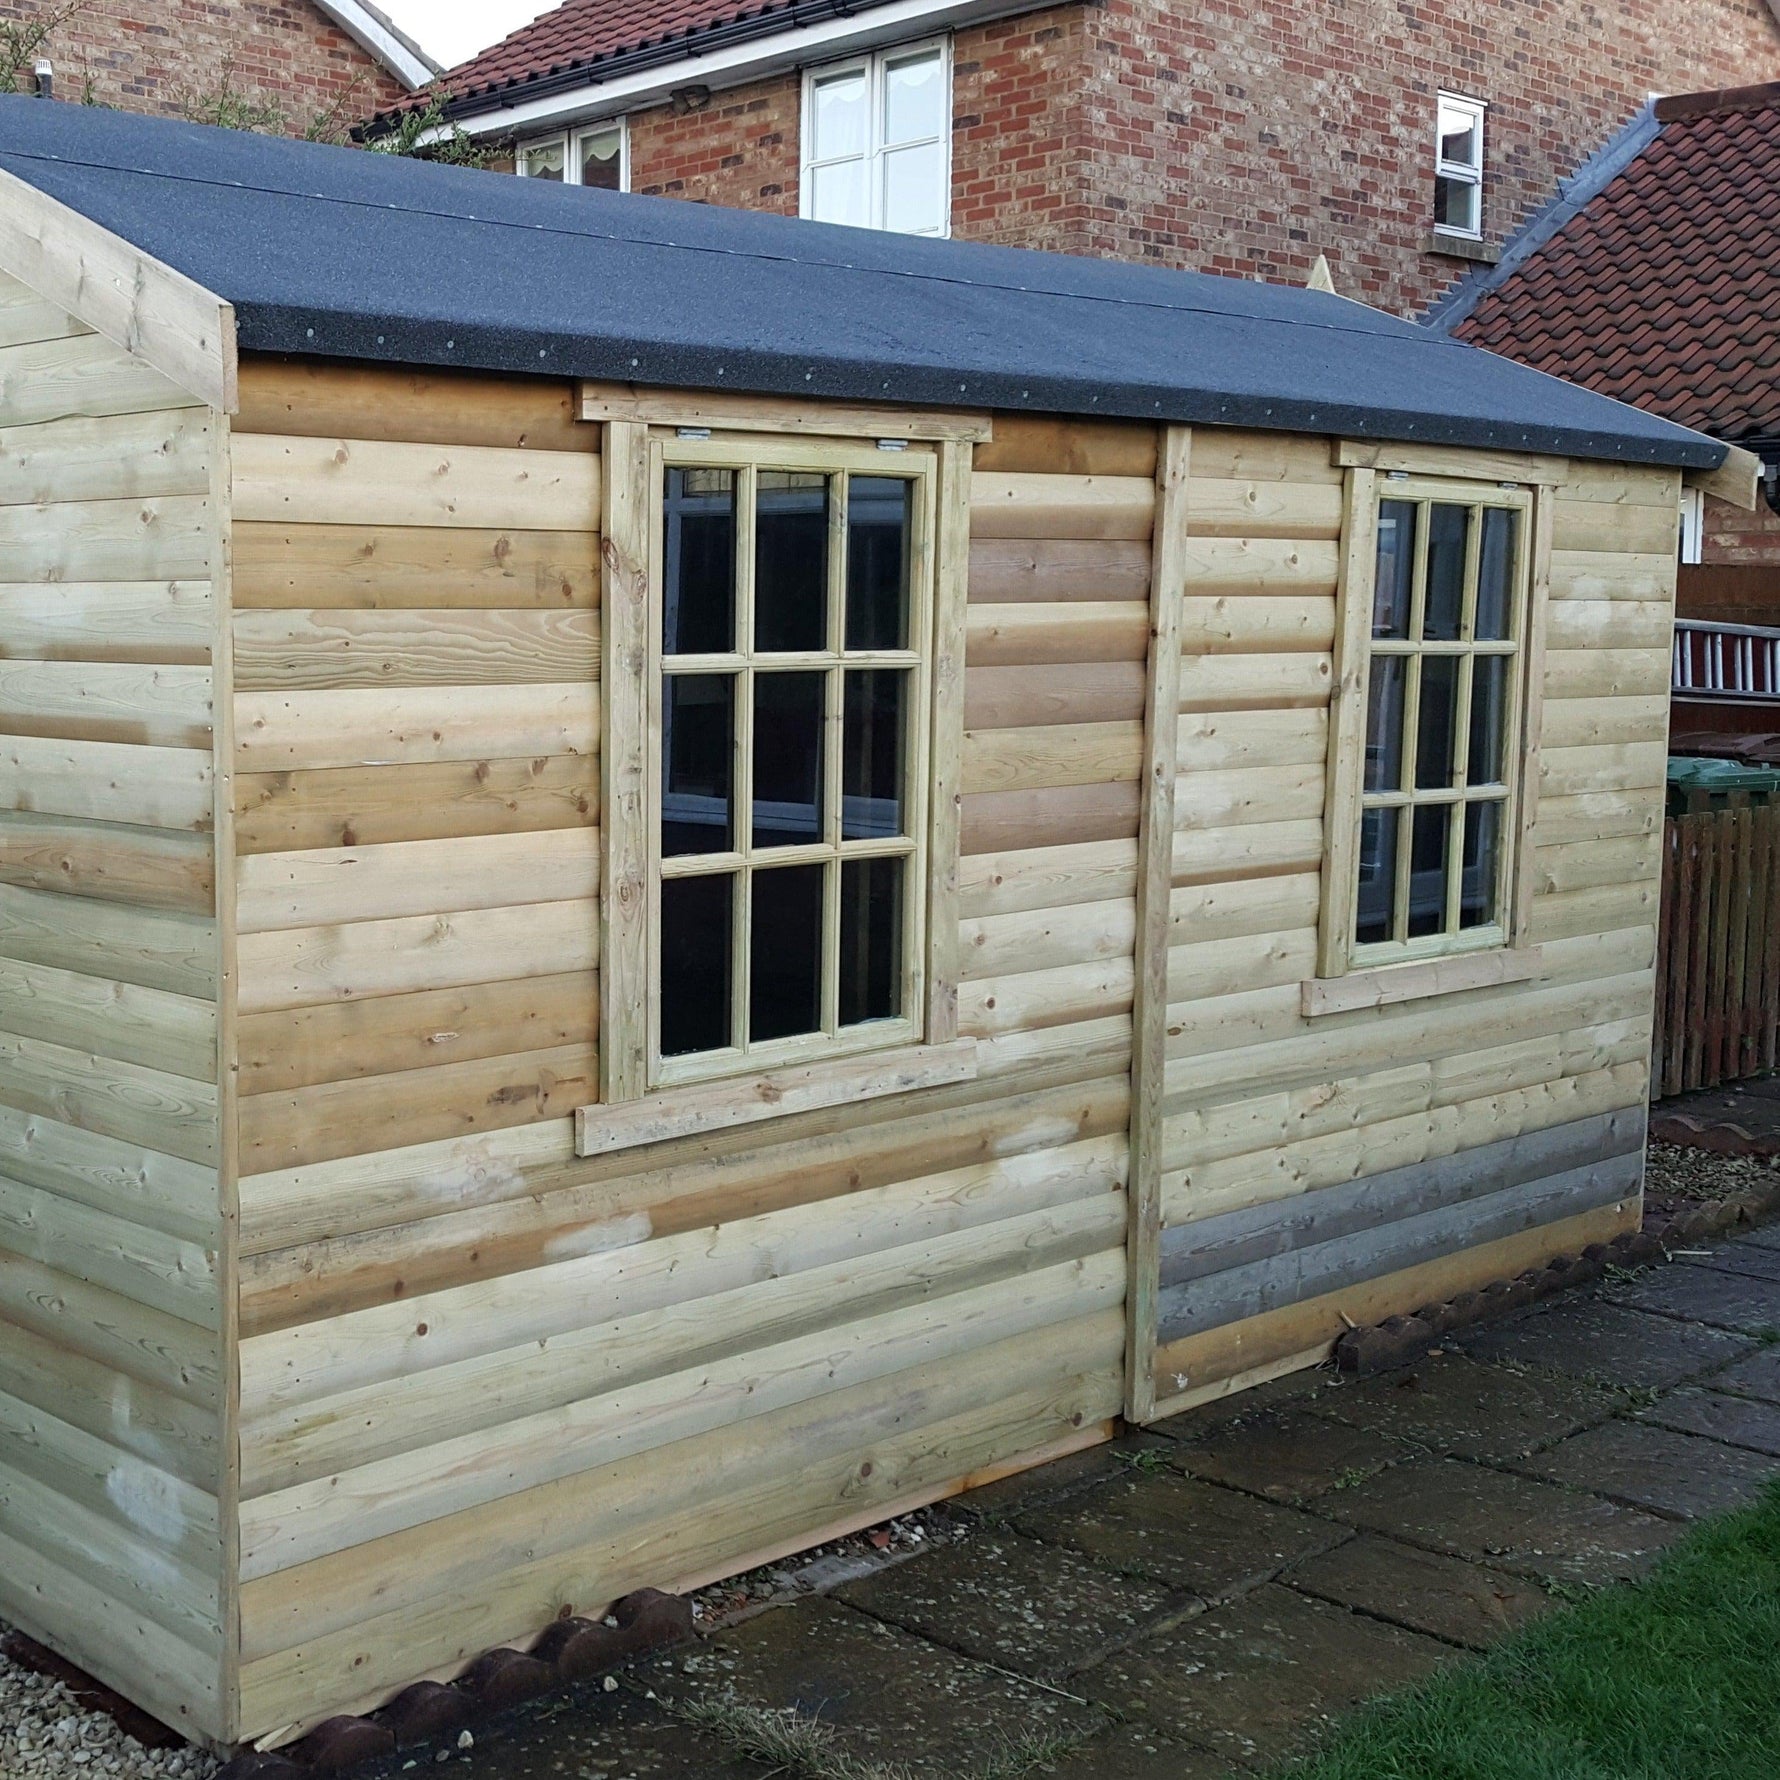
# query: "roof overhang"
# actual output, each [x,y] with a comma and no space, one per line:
[726,56]
[1737,480]
[380,36]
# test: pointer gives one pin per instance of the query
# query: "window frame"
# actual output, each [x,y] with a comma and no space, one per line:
[570,143]
[1693,527]
[1340,952]
[1466,173]
[875,65]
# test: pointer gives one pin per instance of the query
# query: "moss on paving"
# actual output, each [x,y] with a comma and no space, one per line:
[1676,1677]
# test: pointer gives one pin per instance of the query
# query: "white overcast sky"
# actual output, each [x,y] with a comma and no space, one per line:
[451,31]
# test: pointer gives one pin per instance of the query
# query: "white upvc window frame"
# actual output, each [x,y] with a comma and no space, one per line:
[569,141]
[1693,527]
[875,65]
[1461,172]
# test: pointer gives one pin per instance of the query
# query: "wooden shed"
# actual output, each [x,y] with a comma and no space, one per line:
[671,881]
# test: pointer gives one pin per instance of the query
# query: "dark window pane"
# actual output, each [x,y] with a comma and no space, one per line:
[879,513]
[697,755]
[1436,727]
[1384,723]
[1483,853]
[698,567]
[1489,719]
[790,561]
[871,940]
[696,917]
[1449,533]
[1495,574]
[785,953]
[1427,870]
[1396,568]
[1378,876]
[788,759]
[872,754]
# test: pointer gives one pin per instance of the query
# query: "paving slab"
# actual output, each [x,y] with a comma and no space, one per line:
[1244,1405]
[1264,1676]
[593,1735]
[1010,1601]
[1287,1455]
[1001,1501]
[1182,1533]
[1764,1236]
[1136,1751]
[1704,1295]
[1446,1597]
[889,1697]
[1737,1421]
[1755,1259]
[1655,1468]
[1757,1376]
[1521,1524]
[1452,1404]
[1607,1343]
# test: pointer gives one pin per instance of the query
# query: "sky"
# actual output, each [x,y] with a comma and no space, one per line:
[453,30]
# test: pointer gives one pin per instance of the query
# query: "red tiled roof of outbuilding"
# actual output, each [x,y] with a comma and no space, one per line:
[1664,290]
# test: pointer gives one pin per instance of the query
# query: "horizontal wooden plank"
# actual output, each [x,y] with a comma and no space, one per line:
[83,374]
[1612,574]
[1012,821]
[322,648]
[1047,755]
[1610,624]
[123,457]
[157,949]
[1245,567]
[1221,800]
[1223,507]
[739,412]
[1199,971]
[90,701]
[1635,485]
[1066,445]
[115,864]
[1255,682]
[1636,531]
[1259,850]
[26,318]
[351,960]
[387,1034]
[355,1118]
[1201,913]
[148,1187]
[1233,741]
[315,888]
[1593,864]
[1058,631]
[1031,1000]
[1269,457]
[1627,766]
[1030,571]
[1452,460]
[107,782]
[1603,722]
[1045,878]
[1606,673]
[1575,914]
[1018,504]
[388,805]
[1233,625]
[391,567]
[125,1021]
[323,399]
[280,480]
[1046,938]
[1028,697]
[1393,984]
[297,731]
[168,538]
[138,621]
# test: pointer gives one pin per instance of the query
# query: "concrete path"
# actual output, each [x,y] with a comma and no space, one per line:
[1205,1599]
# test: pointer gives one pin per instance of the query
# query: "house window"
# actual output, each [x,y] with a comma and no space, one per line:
[1432,753]
[788,811]
[1693,526]
[877,141]
[599,156]
[1458,167]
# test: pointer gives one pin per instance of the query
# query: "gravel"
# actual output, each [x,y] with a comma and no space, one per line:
[46,1734]
[1674,1175]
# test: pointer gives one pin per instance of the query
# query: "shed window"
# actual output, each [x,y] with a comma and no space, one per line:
[1437,728]
[1458,166]
[598,157]
[789,694]
[876,140]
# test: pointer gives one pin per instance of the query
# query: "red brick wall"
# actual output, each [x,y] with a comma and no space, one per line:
[1247,136]
[160,55]
[1734,536]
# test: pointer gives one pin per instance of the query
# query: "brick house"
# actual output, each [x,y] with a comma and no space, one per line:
[303,60]
[1405,142]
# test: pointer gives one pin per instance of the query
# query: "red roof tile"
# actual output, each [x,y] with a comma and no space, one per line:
[1665,290]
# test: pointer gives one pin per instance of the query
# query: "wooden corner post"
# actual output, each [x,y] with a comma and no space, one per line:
[1155,886]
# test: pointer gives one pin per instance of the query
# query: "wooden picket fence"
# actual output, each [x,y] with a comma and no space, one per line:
[1718,949]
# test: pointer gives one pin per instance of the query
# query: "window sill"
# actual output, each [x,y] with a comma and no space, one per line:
[694,1111]
[1389,984]
[1463,247]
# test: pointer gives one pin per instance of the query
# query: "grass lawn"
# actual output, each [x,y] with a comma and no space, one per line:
[1676,1677]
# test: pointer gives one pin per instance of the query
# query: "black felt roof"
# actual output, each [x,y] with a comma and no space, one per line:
[362,255]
